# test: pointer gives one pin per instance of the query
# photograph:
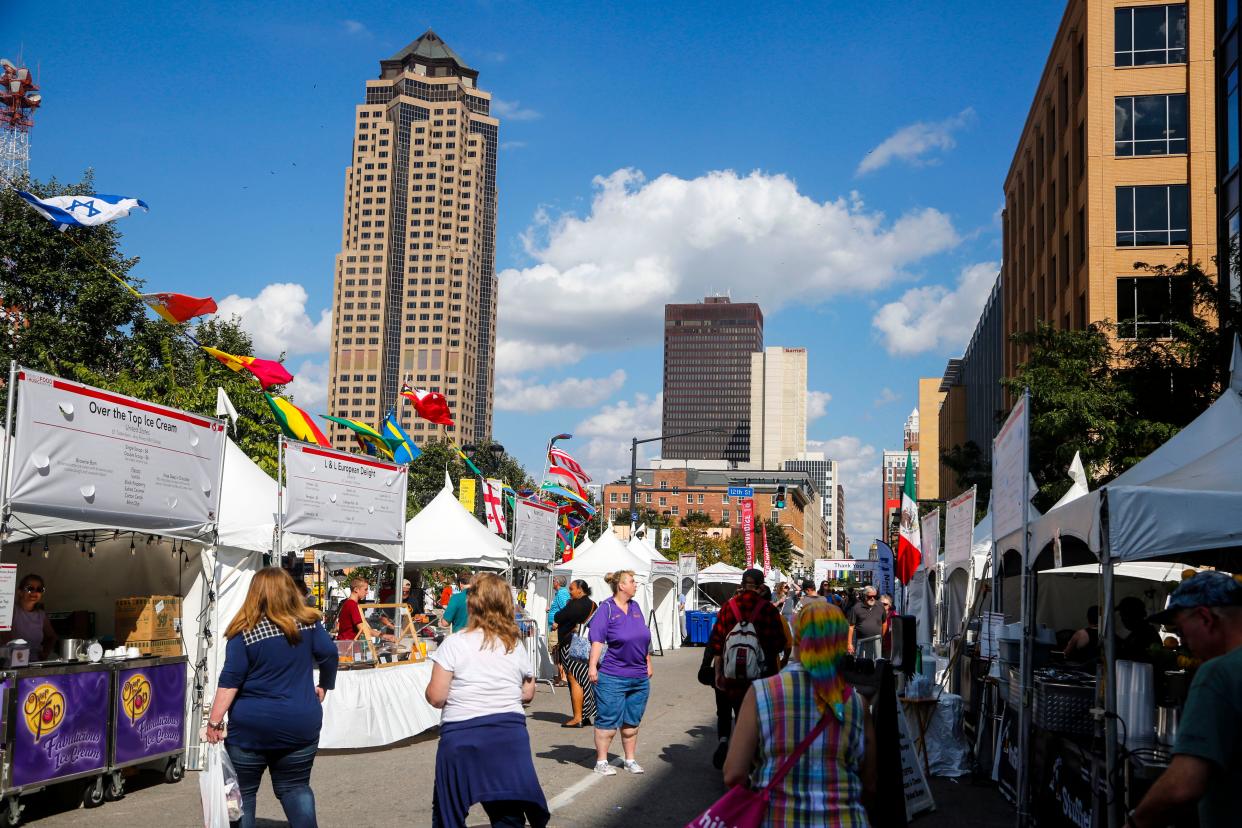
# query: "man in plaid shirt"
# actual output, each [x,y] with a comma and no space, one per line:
[769,627]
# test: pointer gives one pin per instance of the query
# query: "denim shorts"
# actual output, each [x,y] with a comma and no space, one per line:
[620,701]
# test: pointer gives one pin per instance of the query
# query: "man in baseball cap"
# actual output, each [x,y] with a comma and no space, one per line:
[1206,612]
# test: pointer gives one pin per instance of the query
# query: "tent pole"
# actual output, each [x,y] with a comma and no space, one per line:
[1110,661]
[280,497]
[8,442]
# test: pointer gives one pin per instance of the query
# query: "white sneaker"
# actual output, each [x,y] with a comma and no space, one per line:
[632,766]
[605,769]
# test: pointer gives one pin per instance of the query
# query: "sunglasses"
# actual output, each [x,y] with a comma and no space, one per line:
[869,598]
[33,590]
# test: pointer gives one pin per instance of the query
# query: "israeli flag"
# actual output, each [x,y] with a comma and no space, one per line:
[82,210]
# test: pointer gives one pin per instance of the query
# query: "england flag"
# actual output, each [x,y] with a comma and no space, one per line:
[82,210]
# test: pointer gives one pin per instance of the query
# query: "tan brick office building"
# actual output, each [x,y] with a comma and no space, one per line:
[1116,164]
[415,283]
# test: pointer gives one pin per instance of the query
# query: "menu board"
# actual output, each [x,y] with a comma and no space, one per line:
[534,534]
[335,495]
[1009,474]
[91,456]
[959,527]
[8,594]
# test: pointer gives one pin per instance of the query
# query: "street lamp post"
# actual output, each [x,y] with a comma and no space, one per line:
[634,443]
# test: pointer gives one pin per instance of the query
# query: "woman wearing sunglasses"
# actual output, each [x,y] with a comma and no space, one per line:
[30,622]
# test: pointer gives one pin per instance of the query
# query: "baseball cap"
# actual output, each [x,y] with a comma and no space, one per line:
[1206,589]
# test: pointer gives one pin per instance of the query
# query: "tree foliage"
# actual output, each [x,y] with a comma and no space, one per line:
[779,545]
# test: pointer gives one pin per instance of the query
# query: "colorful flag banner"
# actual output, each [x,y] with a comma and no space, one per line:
[430,405]
[465,493]
[268,372]
[82,210]
[403,449]
[175,308]
[561,491]
[295,422]
[473,468]
[748,530]
[561,459]
[909,536]
[494,507]
[369,439]
[567,478]
[767,555]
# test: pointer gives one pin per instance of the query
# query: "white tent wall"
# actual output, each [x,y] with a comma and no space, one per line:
[954,598]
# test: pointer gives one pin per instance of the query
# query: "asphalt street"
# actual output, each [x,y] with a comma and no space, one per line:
[393,786]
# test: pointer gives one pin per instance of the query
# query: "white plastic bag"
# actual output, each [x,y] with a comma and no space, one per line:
[219,789]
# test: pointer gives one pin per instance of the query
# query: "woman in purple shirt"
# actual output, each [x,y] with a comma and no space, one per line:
[622,676]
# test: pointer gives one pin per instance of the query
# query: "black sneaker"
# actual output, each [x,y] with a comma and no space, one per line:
[722,750]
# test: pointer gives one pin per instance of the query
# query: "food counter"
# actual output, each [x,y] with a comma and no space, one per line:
[73,720]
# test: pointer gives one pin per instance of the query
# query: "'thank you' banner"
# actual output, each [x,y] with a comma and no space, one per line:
[335,495]
[85,456]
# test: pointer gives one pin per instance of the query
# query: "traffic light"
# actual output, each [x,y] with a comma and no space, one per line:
[780,497]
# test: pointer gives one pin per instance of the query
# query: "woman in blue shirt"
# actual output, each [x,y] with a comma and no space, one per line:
[267,687]
[622,675]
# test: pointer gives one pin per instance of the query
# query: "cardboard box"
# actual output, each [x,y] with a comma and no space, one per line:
[163,647]
[147,618]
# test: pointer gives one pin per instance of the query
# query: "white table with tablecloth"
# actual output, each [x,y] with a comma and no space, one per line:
[373,708]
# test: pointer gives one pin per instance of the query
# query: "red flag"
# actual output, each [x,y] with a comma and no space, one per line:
[176,308]
[430,405]
[267,371]
[748,530]
[767,555]
[908,541]
[562,458]
[570,480]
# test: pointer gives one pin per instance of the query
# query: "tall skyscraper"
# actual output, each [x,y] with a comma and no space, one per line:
[415,286]
[825,476]
[777,406]
[707,348]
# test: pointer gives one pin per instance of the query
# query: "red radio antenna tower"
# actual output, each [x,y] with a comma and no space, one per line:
[19,98]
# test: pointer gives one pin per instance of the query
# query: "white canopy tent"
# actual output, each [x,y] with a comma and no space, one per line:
[718,582]
[663,592]
[445,534]
[609,554]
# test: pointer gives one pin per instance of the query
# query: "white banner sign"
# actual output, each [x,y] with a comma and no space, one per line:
[666,569]
[335,495]
[666,538]
[929,535]
[959,527]
[534,533]
[94,457]
[8,594]
[1009,472]
[688,564]
[826,569]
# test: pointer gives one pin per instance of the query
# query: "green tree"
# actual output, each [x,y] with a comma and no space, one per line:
[696,519]
[706,549]
[779,545]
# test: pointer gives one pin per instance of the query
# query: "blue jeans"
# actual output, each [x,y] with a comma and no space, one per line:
[291,770]
[620,701]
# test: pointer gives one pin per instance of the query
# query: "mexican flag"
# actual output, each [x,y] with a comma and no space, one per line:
[908,541]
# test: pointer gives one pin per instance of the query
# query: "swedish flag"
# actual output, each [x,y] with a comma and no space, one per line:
[369,440]
[403,449]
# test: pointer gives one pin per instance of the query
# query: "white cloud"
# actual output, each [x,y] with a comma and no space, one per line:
[858,466]
[513,356]
[934,317]
[277,320]
[309,388]
[523,394]
[508,145]
[600,280]
[353,27]
[911,143]
[816,404]
[513,111]
[608,432]
[887,396]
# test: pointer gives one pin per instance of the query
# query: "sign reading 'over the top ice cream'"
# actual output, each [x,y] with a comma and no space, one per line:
[89,455]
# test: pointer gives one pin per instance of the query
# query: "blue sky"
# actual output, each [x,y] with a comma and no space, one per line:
[841,163]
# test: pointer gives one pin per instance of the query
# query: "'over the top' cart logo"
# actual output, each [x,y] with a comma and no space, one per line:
[136,697]
[44,710]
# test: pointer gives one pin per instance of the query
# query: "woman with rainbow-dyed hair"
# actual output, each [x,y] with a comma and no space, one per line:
[828,783]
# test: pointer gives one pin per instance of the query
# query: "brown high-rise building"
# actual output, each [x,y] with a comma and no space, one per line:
[415,287]
[707,348]
[1116,164]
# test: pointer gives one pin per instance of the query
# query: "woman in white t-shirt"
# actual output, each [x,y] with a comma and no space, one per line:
[480,678]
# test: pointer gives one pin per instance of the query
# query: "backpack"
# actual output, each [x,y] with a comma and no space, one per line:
[743,654]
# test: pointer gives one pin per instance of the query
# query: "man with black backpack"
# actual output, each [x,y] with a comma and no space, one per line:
[747,643]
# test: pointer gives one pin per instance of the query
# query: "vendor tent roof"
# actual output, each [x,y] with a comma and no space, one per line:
[608,554]
[1184,497]
[445,534]
[645,549]
[721,572]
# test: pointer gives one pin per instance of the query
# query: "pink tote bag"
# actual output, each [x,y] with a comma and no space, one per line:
[741,807]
